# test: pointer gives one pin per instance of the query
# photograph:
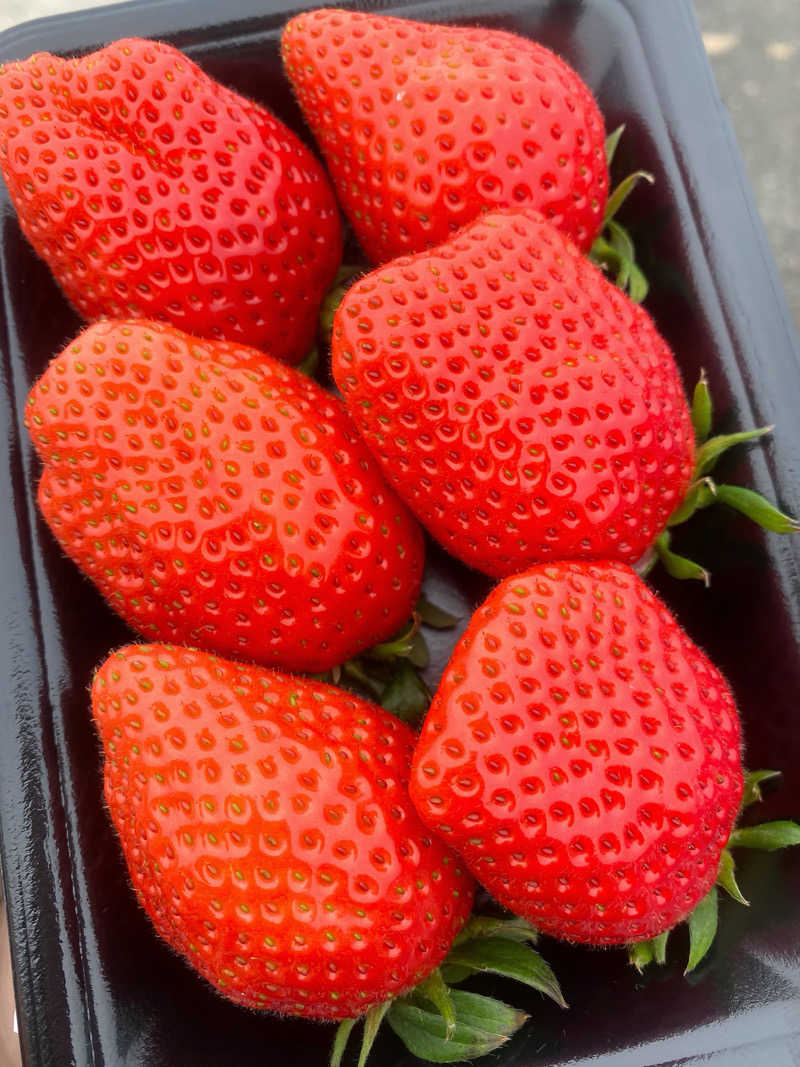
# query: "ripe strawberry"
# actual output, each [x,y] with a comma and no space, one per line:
[422,126]
[217,497]
[521,404]
[582,755]
[152,191]
[269,834]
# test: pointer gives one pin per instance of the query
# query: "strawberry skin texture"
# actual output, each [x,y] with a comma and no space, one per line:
[269,834]
[152,191]
[582,755]
[423,126]
[522,405]
[220,498]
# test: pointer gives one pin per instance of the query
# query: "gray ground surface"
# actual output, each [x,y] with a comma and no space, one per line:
[754,46]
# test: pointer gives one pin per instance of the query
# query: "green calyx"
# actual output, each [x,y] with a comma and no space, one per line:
[703,920]
[445,1025]
[613,249]
[388,673]
[703,492]
[345,276]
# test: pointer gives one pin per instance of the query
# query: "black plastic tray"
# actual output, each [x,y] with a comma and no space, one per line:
[94,985]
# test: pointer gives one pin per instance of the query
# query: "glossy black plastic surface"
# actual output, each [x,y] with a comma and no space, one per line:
[94,984]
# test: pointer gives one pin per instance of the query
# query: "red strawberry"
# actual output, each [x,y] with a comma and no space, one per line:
[422,126]
[153,191]
[269,834]
[220,498]
[521,404]
[582,755]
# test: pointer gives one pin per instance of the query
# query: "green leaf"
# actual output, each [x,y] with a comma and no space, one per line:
[434,989]
[767,837]
[679,566]
[343,1031]
[640,954]
[702,929]
[757,508]
[726,877]
[752,786]
[702,410]
[480,926]
[511,959]
[482,1025]
[399,646]
[434,616]
[372,1024]
[623,191]
[406,695]
[612,141]
[709,453]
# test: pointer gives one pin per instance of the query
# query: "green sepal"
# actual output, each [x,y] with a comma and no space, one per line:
[372,1024]
[434,988]
[510,959]
[767,836]
[659,944]
[612,141]
[726,878]
[420,654]
[453,974]
[702,410]
[640,954]
[751,794]
[481,926]
[432,615]
[399,646]
[482,1025]
[343,1031]
[679,566]
[623,191]
[309,363]
[702,924]
[354,671]
[701,494]
[709,453]
[406,696]
[638,285]
[756,508]
[345,276]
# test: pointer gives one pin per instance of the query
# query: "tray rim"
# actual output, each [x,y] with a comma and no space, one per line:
[655,27]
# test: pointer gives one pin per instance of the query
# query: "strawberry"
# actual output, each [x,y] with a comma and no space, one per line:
[422,126]
[523,406]
[152,191]
[218,497]
[582,755]
[268,832]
